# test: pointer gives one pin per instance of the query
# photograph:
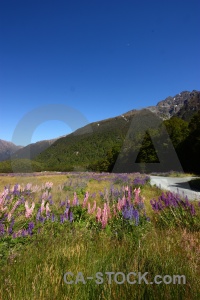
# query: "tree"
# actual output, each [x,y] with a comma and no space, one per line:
[177,130]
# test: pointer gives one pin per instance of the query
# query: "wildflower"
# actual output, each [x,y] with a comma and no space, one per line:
[89,209]
[14,235]
[38,214]
[68,203]
[105,215]
[61,218]
[129,195]
[29,211]
[93,208]
[2,229]
[28,186]
[192,210]
[71,218]
[62,203]
[30,228]
[130,213]
[126,188]
[24,233]
[66,212]
[75,201]
[42,206]
[16,190]
[85,199]
[13,209]
[47,209]
[98,215]
[10,229]
[114,210]
[137,197]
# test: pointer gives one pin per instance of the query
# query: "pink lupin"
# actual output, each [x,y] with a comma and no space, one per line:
[98,215]
[29,211]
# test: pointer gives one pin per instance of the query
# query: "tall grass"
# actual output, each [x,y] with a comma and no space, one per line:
[37,273]
[33,267]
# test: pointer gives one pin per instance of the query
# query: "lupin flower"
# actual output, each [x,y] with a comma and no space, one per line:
[13,209]
[89,209]
[105,215]
[48,186]
[28,186]
[98,215]
[114,210]
[30,228]
[130,213]
[42,206]
[3,199]
[10,229]
[85,199]
[47,209]
[137,193]
[38,214]
[75,200]
[53,217]
[2,229]
[121,203]
[71,217]
[29,211]
[126,188]
[192,210]
[93,208]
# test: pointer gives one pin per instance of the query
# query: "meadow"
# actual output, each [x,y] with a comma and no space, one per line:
[89,223]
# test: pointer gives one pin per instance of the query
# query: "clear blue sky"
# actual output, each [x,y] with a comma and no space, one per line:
[102,58]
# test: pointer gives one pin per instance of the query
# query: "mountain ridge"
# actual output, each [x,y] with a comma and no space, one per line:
[182,105]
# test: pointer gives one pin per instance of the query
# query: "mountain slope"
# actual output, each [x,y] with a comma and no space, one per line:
[96,146]
[32,150]
[96,143]
[190,107]
[175,106]
[86,145]
[7,149]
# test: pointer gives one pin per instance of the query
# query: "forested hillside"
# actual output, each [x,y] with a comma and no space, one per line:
[139,140]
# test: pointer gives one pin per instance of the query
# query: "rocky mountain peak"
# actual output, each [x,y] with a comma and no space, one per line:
[172,105]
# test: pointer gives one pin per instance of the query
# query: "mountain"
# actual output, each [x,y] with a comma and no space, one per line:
[86,145]
[190,107]
[7,149]
[97,145]
[32,150]
[92,146]
[178,105]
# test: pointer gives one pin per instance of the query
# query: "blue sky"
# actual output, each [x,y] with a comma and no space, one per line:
[101,58]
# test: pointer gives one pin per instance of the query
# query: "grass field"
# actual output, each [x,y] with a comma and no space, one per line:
[175,174]
[85,223]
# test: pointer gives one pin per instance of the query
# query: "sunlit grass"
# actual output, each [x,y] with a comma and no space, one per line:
[175,174]
[34,267]
[38,272]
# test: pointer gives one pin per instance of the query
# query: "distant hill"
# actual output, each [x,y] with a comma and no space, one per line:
[7,149]
[86,145]
[32,150]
